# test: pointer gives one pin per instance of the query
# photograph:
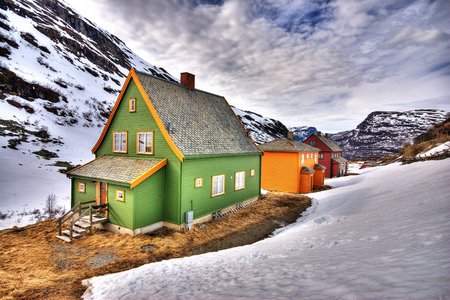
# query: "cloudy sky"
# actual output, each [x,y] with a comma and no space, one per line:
[319,63]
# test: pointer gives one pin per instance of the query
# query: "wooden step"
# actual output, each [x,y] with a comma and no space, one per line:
[74,234]
[64,238]
[82,224]
[79,229]
[95,219]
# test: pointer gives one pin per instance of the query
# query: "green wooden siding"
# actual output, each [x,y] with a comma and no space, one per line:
[200,200]
[149,200]
[121,212]
[77,196]
[142,120]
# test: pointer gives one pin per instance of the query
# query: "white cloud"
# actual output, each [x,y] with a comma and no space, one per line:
[286,59]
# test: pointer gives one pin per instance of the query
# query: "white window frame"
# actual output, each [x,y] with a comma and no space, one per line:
[321,156]
[218,185]
[303,158]
[315,157]
[144,144]
[120,195]
[122,138]
[239,180]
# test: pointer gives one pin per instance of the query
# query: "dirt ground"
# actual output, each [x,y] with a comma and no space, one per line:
[34,264]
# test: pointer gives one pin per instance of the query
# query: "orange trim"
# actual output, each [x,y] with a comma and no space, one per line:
[248,134]
[82,184]
[132,75]
[137,142]
[114,141]
[105,129]
[147,174]
[199,185]
[83,164]
[132,106]
[123,195]
[212,185]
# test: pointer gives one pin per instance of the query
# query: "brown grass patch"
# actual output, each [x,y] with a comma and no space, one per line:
[34,264]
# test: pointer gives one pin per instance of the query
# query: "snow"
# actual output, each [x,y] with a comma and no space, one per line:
[383,234]
[440,148]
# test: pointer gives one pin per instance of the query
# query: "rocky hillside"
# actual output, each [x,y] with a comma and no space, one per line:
[384,132]
[261,129]
[301,133]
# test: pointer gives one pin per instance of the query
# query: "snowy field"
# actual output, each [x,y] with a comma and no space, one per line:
[384,234]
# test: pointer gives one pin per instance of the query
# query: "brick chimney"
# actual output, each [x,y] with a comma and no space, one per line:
[326,134]
[188,80]
[319,133]
[290,135]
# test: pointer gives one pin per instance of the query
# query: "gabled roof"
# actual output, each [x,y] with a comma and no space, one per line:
[284,144]
[120,169]
[340,160]
[200,123]
[329,143]
[307,170]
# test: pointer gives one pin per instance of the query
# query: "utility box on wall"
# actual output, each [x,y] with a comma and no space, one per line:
[189,216]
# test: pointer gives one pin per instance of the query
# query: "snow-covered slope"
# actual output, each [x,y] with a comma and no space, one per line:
[261,129]
[380,235]
[301,133]
[384,132]
[60,74]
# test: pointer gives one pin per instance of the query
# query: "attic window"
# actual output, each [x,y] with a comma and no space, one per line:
[120,141]
[312,143]
[132,106]
[145,142]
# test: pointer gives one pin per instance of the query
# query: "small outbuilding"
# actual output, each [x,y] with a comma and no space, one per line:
[290,166]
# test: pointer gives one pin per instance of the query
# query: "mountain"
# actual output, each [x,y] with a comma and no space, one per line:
[384,132]
[261,129]
[301,133]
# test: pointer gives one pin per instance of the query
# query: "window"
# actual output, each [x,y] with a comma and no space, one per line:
[120,142]
[307,155]
[120,195]
[239,178]
[218,185]
[303,158]
[132,106]
[145,142]
[252,172]
[81,187]
[320,155]
[198,182]
[312,143]
[315,157]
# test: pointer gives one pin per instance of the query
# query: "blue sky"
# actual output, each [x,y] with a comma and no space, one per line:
[326,64]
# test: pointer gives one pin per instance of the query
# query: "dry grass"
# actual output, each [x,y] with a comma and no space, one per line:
[34,264]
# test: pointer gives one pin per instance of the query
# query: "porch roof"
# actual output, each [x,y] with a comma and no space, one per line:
[119,169]
[340,160]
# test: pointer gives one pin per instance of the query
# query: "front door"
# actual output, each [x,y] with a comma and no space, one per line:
[103,195]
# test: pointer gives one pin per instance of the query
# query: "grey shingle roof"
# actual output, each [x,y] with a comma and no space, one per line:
[202,123]
[115,168]
[319,167]
[283,144]
[340,160]
[307,170]
[329,143]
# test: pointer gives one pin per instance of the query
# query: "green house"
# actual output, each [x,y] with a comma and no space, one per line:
[167,149]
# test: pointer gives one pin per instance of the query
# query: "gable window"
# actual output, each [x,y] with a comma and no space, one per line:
[218,185]
[198,182]
[312,143]
[132,105]
[145,142]
[239,178]
[120,142]
[120,195]
[320,155]
[81,187]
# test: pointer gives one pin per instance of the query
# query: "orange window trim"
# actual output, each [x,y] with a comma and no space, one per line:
[198,185]
[132,104]
[137,142]
[126,141]
[212,185]
[81,187]
[123,195]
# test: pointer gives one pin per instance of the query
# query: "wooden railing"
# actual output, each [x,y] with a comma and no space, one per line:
[98,209]
[438,155]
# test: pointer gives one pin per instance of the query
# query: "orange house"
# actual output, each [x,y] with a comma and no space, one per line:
[290,166]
